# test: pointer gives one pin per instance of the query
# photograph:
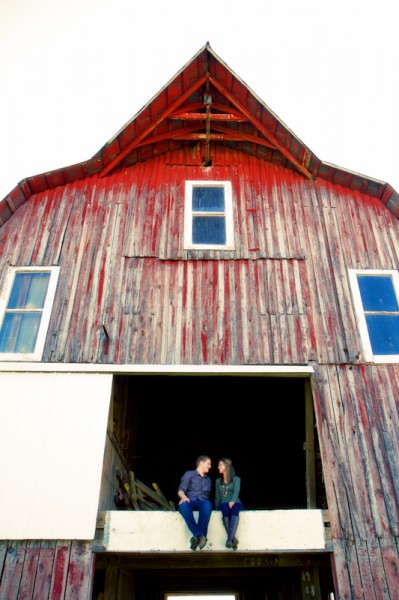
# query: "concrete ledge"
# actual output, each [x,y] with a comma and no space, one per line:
[259,530]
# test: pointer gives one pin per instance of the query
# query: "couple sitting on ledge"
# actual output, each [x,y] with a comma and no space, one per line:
[194,492]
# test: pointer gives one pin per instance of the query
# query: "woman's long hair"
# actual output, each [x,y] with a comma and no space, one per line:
[230,473]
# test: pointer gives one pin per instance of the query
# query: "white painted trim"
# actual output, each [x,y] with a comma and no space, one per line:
[227,213]
[37,354]
[277,371]
[368,355]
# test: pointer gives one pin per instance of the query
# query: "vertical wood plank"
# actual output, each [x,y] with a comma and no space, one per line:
[29,571]
[12,571]
[44,571]
[79,578]
[60,570]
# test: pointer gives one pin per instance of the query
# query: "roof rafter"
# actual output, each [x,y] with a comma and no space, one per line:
[134,143]
[301,167]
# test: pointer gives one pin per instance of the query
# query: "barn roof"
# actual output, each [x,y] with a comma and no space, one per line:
[204,102]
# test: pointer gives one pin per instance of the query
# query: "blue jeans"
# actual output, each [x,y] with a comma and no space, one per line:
[230,512]
[204,508]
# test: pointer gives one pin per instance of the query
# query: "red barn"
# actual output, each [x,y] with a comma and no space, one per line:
[203,284]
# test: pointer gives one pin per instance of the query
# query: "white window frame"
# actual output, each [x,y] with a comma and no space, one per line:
[227,213]
[368,354]
[37,354]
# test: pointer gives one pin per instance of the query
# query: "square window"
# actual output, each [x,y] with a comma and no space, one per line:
[376,296]
[208,215]
[25,306]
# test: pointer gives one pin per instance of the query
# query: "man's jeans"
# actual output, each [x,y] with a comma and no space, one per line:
[204,508]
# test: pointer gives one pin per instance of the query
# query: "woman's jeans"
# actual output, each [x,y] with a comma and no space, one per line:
[230,512]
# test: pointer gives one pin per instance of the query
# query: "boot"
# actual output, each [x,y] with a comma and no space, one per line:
[232,541]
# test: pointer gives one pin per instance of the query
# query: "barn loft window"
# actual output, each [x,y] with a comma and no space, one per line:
[25,306]
[208,222]
[376,299]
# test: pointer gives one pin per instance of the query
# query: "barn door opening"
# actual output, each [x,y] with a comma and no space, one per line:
[123,580]
[264,424]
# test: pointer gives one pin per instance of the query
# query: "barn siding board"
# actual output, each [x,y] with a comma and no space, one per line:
[3,555]
[386,243]
[333,446]
[11,236]
[358,457]
[29,570]
[79,578]
[12,571]
[388,415]
[376,479]
[377,567]
[348,572]
[389,551]
[59,223]
[44,570]
[60,570]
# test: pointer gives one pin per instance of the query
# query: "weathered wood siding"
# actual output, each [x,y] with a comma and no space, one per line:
[118,241]
[357,413]
[52,570]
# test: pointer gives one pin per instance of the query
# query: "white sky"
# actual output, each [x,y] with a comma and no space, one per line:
[73,72]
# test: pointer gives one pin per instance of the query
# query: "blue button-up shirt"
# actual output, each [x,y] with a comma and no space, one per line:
[195,486]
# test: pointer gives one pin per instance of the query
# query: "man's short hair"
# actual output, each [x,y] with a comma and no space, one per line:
[202,458]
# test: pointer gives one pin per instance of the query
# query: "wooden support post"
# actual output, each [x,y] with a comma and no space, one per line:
[309,448]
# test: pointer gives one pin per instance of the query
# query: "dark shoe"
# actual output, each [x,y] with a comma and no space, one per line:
[201,541]
[194,543]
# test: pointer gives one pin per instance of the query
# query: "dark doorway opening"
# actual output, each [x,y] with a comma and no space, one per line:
[166,421]
[125,580]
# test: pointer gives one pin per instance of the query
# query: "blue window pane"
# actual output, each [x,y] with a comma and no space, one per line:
[208,199]
[29,291]
[209,230]
[377,293]
[19,332]
[384,333]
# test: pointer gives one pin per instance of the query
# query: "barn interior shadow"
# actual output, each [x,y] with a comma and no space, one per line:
[259,422]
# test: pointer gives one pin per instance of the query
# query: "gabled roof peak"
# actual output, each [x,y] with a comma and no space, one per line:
[204,104]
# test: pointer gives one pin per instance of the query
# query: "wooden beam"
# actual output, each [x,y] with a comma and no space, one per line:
[134,143]
[194,106]
[226,137]
[153,495]
[173,134]
[221,88]
[212,560]
[192,116]
[244,137]
[310,449]
[185,133]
